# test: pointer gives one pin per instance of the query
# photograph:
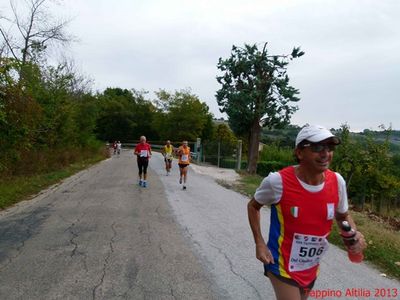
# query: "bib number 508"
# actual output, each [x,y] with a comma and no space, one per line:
[310,252]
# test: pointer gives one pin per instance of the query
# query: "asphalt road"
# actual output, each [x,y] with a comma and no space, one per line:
[98,235]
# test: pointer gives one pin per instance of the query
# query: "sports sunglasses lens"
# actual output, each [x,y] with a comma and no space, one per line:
[320,147]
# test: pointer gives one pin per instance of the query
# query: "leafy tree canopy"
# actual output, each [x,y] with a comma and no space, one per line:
[255,93]
[124,115]
[184,117]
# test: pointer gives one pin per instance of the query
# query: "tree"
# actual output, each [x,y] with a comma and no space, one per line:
[47,114]
[368,168]
[223,139]
[225,134]
[124,115]
[36,29]
[69,113]
[255,93]
[183,116]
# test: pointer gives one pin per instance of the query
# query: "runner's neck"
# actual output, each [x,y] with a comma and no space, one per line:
[309,177]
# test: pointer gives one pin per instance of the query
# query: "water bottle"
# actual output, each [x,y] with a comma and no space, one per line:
[348,235]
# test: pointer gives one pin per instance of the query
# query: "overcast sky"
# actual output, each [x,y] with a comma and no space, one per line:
[349,74]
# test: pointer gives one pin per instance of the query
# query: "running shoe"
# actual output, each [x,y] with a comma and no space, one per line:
[140,182]
[184,187]
[180,180]
[144,184]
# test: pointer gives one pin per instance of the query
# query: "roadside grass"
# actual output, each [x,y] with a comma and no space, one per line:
[18,188]
[247,184]
[383,240]
[383,243]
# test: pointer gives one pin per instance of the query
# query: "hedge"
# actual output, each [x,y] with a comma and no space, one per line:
[265,167]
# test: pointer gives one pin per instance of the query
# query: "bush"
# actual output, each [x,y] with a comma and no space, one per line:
[232,164]
[228,163]
[265,167]
[273,152]
[39,161]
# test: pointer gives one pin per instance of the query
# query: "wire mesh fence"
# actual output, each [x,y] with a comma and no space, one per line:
[222,154]
[218,153]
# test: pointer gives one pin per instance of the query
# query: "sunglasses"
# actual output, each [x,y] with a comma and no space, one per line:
[318,147]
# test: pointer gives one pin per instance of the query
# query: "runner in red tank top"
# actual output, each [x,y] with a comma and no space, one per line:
[304,200]
[143,153]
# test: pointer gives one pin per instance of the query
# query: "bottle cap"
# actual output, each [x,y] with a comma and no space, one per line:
[346,226]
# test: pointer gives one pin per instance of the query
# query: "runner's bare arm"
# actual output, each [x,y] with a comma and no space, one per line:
[262,252]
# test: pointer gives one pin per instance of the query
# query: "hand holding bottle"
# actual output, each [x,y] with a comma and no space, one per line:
[354,242]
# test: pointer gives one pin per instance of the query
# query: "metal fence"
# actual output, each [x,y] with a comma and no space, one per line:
[218,153]
[222,154]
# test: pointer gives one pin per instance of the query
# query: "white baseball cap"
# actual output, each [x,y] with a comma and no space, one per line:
[315,134]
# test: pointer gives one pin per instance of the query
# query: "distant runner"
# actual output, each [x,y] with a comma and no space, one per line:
[119,145]
[115,147]
[184,160]
[143,152]
[167,152]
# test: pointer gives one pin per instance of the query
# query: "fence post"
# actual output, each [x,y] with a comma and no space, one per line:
[198,148]
[239,155]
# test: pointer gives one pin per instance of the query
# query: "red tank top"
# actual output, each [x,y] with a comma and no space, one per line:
[300,224]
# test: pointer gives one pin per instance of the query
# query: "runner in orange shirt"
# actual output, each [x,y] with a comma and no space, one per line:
[184,161]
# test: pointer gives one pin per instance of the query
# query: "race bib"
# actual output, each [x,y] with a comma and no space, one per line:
[184,157]
[168,156]
[143,153]
[307,251]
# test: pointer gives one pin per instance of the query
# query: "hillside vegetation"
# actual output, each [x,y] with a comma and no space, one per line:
[369,162]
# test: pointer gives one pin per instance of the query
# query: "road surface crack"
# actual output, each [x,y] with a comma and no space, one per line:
[162,251]
[158,211]
[106,261]
[172,293]
[234,272]
[72,240]
[19,248]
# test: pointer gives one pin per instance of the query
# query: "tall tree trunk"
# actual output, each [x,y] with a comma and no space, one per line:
[248,150]
[253,147]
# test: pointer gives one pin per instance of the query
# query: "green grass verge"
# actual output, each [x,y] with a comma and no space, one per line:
[16,189]
[248,183]
[383,241]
